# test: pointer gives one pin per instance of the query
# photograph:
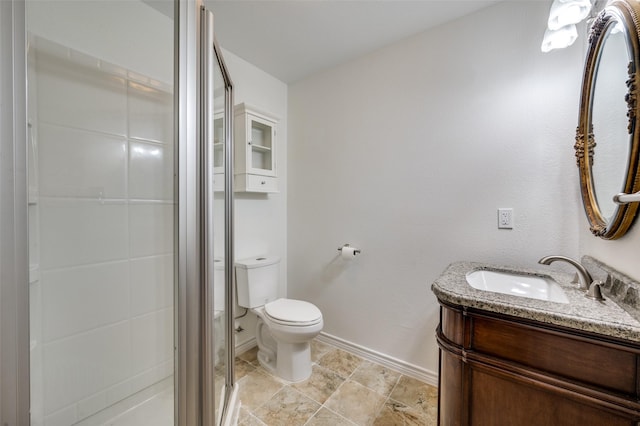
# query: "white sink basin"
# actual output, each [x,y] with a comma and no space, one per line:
[514,284]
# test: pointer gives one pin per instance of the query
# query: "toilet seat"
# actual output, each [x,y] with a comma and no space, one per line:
[292,312]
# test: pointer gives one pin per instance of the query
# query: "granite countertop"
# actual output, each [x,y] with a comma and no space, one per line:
[602,317]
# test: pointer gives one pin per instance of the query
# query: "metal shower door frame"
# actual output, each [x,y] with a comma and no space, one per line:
[14,260]
[197,50]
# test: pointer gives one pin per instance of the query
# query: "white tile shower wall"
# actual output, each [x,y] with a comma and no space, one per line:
[105,166]
[149,178]
[78,163]
[150,228]
[80,97]
[128,33]
[148,112]
[84,364]
[70,229]
[83,298]
[151,283]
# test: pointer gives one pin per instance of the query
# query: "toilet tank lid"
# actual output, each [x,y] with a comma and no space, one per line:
[257,262]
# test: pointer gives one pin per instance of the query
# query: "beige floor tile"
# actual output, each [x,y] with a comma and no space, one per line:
[356,402]
[220,369]
[250,356]
[218,382]
[247,419]
[352,389]
[256,388]
[287,408]
[396,413]
[318,349]
[417,395]
[326,417]
[322,383]
[266,372]
[340,361]
[243,368]
[376,377]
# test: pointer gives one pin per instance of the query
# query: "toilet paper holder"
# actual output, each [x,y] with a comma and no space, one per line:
[355,250]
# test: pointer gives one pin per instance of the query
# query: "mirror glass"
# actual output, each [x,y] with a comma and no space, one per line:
[608,136]
[609,120]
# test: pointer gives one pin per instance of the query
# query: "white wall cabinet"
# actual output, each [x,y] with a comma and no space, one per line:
[255,150]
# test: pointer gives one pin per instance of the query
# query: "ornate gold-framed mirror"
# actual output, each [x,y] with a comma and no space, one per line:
[608,134]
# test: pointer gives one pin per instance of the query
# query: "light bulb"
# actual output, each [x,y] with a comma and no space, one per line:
[567,12]
[559,39]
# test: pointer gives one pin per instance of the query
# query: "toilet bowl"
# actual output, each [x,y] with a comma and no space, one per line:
[285,326]
[284,330]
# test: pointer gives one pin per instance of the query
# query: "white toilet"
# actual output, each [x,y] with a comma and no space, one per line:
[285,326]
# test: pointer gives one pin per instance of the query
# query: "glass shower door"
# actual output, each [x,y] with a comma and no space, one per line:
[217,116]
[217,150]
[101,212]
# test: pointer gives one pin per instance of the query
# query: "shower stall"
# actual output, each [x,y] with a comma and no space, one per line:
[116,198]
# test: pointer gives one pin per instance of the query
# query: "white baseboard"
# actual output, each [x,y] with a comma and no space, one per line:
[245,346]
[392,363]
[422,374]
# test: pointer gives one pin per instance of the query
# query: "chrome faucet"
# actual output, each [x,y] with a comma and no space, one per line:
[584,277]
[585,281]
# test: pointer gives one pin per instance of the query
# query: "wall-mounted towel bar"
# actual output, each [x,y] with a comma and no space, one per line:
[627,198]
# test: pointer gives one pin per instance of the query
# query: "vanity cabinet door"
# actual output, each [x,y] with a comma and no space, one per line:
[496,399]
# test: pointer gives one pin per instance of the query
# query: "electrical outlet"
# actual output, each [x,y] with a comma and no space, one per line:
[505,218]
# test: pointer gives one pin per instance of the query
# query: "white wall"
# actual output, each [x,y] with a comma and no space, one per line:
[261,219]
[408,152]
[620,254]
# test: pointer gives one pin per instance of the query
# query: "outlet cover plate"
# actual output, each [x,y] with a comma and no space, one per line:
[505,218]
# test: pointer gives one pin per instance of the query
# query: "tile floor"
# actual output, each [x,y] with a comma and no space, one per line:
[343,390]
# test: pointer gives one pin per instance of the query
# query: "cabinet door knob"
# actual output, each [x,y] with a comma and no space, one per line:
[263,182]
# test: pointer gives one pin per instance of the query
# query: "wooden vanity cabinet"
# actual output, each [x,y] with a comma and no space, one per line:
[502,370]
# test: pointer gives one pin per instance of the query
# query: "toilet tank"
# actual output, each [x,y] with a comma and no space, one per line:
[257,280]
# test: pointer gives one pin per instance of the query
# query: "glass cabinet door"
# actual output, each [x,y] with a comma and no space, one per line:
[260,146]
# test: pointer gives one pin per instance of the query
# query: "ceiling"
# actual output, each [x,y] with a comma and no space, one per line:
[292,39]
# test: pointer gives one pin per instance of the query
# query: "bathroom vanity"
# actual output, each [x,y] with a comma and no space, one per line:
[509,360]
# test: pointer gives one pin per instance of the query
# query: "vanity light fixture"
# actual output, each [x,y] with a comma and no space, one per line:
[561,27]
